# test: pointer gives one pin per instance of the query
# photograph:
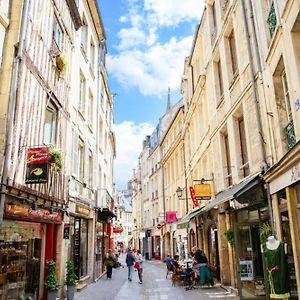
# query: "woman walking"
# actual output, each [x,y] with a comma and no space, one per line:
[139,260]
[109,261]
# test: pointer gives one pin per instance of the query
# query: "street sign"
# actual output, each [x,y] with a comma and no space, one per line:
[158,226]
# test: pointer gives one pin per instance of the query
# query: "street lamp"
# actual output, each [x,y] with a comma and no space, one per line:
[179,192]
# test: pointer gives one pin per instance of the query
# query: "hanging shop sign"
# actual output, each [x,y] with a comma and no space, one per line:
[37,165]
[41,214]
[202,191]
[66,234]
[117,229]
[171,216]
[82,210]
[193,196]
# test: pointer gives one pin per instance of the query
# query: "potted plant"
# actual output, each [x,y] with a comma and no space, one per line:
[229,236]
[265,230]
[70,280]
[61,62]
[51,283]
[55,157]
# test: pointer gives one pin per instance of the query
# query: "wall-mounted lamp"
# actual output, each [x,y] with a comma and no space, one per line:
[179,192]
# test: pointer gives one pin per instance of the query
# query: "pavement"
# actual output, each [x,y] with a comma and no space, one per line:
[155,287]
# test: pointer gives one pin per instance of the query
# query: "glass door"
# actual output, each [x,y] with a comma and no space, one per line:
[250,274]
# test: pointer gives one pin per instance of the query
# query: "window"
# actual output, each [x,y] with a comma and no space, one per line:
[57,34]
[92,56]
[213,22]
[75,147]
[243,147]
[219,82]
[90,179]
[286,95]
[81,160]
[90,110]
[231,40]
[283,103]
[84,34]
[82,88]
[50,124]
[228,173]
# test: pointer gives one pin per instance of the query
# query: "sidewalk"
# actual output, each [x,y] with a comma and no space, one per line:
[154,287]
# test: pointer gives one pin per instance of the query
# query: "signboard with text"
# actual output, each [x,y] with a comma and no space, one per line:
[42,214]
[37,165]
[202,191]
[171,216]
[193,196]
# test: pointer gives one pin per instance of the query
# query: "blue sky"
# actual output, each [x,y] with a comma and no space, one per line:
[147,42]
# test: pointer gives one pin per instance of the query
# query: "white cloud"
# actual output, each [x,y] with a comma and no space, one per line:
[153,70]
[131,37]
[173,12]
[129,137]
[143,61]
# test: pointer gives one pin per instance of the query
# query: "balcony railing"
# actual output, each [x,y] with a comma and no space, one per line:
[272,19]
[290,135]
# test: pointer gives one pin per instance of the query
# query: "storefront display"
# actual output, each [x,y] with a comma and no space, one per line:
[99,250]
[20,255]
[276,268]
[80,246]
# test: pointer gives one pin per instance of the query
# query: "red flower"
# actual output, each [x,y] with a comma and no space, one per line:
[276,268]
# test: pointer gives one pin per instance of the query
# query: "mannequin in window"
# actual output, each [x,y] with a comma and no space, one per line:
[275,259]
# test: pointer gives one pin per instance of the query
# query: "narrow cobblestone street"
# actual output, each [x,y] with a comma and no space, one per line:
[155,287]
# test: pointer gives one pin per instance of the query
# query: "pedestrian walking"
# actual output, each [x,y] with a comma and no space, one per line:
[110,261]
[129,262]
[139,260]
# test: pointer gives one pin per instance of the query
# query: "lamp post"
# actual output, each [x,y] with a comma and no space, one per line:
[179,193]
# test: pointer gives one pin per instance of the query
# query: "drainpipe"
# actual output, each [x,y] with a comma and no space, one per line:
[264,165]
[259,64]
[186,200]
[11,108]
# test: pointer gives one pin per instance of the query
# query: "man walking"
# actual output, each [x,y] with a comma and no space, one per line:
[129,262]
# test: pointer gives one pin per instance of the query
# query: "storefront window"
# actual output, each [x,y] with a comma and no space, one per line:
[80,246]
[213,255]
[20,259]
[285,225]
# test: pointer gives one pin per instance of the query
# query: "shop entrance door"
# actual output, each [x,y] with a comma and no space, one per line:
[250,274]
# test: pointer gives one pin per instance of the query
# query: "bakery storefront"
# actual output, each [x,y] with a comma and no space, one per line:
[24,248]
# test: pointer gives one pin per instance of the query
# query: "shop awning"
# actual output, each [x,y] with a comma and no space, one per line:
[104,214]
[184,222]
[233,192]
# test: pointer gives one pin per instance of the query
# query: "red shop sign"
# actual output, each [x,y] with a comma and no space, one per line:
[37,165]
[193,196]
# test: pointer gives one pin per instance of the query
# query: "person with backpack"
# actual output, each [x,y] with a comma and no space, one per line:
[110,261]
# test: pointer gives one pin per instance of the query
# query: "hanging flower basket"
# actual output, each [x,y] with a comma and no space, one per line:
[55,157]
[61,62]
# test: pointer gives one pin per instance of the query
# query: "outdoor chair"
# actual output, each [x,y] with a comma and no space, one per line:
[169,268]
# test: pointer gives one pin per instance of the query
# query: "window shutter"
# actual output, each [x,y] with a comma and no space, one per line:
[75,141]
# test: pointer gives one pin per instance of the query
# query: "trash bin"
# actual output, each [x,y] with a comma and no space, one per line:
[147,255]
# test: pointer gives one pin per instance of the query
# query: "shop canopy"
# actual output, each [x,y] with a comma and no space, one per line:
[184,222]
[233,192]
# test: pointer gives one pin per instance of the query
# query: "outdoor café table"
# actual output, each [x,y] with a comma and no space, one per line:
[186,264]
